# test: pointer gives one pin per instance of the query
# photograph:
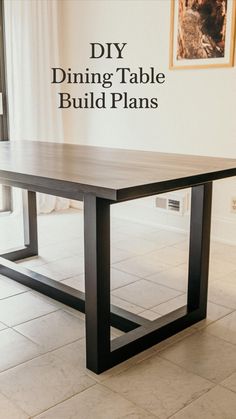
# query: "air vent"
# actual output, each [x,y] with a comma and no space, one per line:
[173,205]
[177,203]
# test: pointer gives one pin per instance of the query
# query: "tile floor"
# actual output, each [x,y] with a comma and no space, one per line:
[42,346]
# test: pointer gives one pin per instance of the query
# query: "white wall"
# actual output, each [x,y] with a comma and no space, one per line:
[197,107]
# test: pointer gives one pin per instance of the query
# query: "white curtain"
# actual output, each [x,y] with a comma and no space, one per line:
[32,48]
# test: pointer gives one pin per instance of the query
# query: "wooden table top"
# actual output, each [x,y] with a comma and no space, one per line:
[116,174]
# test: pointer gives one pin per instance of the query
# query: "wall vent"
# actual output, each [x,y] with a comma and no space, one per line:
[177,203]
[173,205]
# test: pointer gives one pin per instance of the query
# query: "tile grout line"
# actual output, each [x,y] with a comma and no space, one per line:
[187,404]
[225,387]
[37,317]
[64,400]
[188,370]
[14,295]
[41,354]
[13,402]
[126,398]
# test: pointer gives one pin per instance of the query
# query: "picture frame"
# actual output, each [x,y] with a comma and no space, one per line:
[202,34]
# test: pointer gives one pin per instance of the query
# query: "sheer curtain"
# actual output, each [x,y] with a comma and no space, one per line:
[32,48]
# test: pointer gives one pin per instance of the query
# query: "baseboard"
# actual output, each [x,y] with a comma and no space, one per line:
[223,229]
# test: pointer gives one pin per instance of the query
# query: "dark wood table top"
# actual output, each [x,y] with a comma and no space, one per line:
[111,173]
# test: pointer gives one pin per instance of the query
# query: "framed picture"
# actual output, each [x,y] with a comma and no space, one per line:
[202,33]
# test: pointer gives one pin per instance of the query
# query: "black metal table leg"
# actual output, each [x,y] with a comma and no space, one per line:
[97,282]
[101,354]
[30,247]
[199,248]
[30,221]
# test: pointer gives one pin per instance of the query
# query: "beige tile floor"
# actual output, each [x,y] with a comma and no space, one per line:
[42,342]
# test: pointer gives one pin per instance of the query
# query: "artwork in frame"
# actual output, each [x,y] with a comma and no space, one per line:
[202,33]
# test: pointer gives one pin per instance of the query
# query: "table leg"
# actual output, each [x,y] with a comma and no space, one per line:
[103,354]
[30,247]
[97,282]
[30,221]
[199,248]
